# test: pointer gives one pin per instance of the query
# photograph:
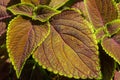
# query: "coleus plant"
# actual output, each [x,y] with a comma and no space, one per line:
[63,38]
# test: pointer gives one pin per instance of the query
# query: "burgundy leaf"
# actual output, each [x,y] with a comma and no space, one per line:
[112,46]
[80,5]
[101,11]
[2,27]
[3,12]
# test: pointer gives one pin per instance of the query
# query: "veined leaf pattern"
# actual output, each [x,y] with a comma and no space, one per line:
[101,11]
[22,9]
[112,46]
[22,38]
[71,48]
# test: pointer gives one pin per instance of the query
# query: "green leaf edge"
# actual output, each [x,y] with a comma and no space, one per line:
[107,32]
[10,9]
[8,50]
[108,52]
[118,10]
[71,76]
[47,7]
[59,5]
[114,3]
[97,31]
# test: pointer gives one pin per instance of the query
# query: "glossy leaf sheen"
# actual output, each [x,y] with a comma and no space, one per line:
[113,27]
[57,3]
[112,46]
[43,13]
[3,12]
[2,28]
[101,11]
[22,39]
[22,9]
[71,48]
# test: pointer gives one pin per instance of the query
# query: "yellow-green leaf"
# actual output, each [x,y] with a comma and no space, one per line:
[36,2]
[71,48]
[22,38]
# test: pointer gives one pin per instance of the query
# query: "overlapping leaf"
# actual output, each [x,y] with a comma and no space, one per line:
[36,2]
[80,5]
[22,38]
[57,3]
[101,11]
[43,13]
[22,9]
[71,48]
[2,28]
[113,27]
[112,46]
[3,12]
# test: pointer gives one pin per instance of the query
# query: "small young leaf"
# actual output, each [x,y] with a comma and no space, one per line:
[57,3]
[22,9]
[22,39]
[2,28]
[113,27]
[100,34]
[101,11]
[112,46]
[71,48]
[43,13]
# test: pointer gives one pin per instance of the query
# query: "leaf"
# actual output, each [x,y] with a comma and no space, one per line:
[100,33]
[57,3]
[36,2]
[22,39]
[112,46]
[71,48]
[117,75]
[118,6]
[22,9]
[100,12]
[113,27]
[80,5]
[44,13]
[2,28]
[108,65]
[3,12]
